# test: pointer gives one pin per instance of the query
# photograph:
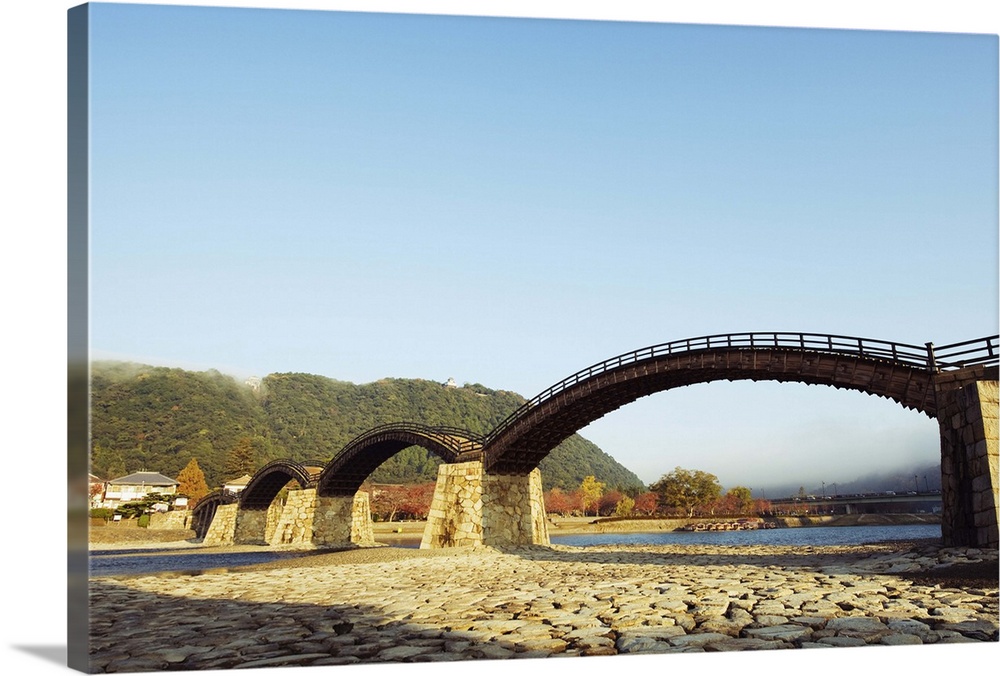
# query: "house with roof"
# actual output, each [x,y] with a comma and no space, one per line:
[237,485]
[136,486]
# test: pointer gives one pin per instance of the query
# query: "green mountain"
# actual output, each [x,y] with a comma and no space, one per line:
[157,418]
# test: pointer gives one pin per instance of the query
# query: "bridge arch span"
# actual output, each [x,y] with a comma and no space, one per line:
[268,481]
[204,511]
[345,473]
[900,372]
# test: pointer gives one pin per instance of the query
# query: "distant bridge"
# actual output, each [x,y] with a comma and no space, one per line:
[933,380]
[911,501]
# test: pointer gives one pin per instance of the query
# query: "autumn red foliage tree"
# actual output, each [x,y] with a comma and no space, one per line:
[397,502]
[646,503]
[558,501]
[608,501]
[417,500]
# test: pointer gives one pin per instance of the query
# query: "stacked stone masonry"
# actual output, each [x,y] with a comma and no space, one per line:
[251,527]
[274,513]
[294,525]
[222,531]
[473,508]
[170,520]
[967,418]
[343,521]
[455,518]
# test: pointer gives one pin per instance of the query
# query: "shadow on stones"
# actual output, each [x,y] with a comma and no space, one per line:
[137,631]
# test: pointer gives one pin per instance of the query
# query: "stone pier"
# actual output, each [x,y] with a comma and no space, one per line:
[473,508]
[251,526]
[305,519]
[343,521]
[294,522]
[967,419]
[222,530]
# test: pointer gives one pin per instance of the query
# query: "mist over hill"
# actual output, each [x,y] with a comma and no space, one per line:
[918,478]
[158,418]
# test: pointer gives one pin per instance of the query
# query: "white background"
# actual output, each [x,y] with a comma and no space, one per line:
[32,391]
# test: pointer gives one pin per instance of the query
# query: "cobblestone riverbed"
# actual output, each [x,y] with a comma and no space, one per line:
[389,605]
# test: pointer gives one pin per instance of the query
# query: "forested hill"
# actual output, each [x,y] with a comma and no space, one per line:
[157,418]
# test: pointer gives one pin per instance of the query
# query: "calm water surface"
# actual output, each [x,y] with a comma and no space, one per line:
[140,562]
[813,535]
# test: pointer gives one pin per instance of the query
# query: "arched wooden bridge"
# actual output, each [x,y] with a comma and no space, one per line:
[268,481]
[204,511]
[898,371]
[923,378]
[362,456]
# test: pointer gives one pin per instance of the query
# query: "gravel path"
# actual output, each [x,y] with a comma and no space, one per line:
[393,605]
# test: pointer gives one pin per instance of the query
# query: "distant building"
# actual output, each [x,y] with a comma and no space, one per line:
[137,486]
[451,383]
[237,485]
[253,382]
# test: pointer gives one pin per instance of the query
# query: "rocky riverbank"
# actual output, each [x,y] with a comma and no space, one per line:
[391,605]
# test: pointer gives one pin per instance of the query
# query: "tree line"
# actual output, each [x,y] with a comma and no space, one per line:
[681,493]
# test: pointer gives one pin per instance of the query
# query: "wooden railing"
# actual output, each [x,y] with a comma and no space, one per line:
[947,357]
[456,438]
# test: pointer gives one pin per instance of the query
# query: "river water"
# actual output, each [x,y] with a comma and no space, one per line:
[812,535]
[149,561]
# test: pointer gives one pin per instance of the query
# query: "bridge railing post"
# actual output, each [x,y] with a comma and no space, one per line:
[932,365]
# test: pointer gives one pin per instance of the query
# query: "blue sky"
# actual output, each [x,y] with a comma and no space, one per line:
[506,201]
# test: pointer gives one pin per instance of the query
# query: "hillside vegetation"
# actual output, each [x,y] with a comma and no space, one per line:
[158,418]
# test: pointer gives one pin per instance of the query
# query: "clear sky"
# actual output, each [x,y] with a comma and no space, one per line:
[506,201]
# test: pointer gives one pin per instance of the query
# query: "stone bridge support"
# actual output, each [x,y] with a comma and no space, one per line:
[967,417]
[343,521]
[294,523]
[222,530]
[251,526]
[471,507]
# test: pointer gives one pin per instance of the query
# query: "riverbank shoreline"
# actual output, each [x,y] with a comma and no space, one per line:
[592,525]
[114,537]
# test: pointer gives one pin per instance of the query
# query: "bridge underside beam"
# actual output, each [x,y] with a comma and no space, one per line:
[345,475]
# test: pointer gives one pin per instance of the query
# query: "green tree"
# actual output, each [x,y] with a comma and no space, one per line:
[742,499]
[242,459]
[591,491]
[625,506]
[144,505]
[192,481]
[685,490]
[107,463]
